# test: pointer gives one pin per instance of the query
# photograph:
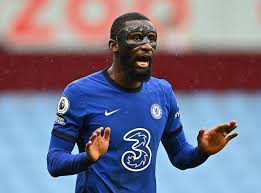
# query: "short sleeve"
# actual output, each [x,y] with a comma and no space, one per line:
[70,114]
[173,123]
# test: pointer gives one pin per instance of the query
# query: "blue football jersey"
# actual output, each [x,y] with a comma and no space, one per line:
[137,118]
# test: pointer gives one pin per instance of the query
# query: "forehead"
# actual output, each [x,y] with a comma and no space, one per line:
[138,22]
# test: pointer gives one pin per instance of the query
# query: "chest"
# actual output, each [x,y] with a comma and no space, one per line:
[130,117]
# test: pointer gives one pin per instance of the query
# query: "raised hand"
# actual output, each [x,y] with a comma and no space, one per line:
[212,141]
[98,144]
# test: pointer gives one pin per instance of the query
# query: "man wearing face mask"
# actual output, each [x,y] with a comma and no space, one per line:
[119,115]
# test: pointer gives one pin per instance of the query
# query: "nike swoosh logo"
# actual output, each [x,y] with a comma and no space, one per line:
[110,113]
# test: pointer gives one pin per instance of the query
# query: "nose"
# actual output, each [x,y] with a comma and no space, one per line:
[146,47]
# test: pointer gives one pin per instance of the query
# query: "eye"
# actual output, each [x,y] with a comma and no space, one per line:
[152,38]
[138,37]
[135,37]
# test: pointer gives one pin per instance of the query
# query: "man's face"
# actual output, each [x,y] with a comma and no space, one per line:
[137,44]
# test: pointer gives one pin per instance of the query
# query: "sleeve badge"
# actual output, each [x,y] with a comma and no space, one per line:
[63,105]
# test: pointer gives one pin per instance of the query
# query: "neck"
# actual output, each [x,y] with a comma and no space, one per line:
[118,75]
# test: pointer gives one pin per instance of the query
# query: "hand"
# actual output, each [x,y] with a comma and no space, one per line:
[216,139]
[98,144]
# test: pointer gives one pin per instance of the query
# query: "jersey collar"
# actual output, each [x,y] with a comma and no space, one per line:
[115,84]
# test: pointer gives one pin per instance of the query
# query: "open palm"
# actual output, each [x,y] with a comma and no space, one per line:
[216,139]
[98,144]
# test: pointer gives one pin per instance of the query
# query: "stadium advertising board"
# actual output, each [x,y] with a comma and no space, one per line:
[84,25]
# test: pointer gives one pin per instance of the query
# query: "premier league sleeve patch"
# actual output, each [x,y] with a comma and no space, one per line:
[63,105]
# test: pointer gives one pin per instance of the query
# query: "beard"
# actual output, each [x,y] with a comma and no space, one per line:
[132,72]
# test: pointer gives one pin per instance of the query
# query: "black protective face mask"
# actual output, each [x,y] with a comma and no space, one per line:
[144,30]
[126,46]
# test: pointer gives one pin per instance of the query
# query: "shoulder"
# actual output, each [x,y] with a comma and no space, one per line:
[162,88]
[85,84]
[75,93]
[161,84]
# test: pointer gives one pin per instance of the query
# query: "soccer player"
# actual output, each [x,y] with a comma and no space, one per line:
[119,115]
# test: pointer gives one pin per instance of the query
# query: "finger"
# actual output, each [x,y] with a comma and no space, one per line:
[232,123]
[222,127]
[98,131]
[107,133]
[229,137]
[229,129]
[93,136]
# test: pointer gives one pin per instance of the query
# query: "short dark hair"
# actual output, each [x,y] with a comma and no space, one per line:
[119,22]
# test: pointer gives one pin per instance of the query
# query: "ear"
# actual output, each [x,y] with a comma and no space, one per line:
[113,45]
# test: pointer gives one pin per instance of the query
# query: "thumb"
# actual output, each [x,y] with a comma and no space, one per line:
[201,133]
[107,133]
[87,146]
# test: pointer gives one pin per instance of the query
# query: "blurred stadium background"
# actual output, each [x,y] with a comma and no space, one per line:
[209,50]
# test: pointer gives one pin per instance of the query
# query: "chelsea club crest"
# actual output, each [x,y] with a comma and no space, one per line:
[156,111]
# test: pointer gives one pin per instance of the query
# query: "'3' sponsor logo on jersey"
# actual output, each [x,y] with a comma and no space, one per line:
[138,158]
